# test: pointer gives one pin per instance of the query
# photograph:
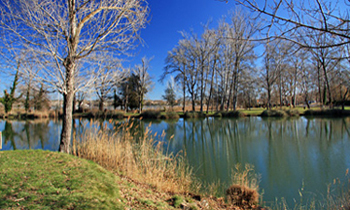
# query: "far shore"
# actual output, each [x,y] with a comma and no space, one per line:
[163,114]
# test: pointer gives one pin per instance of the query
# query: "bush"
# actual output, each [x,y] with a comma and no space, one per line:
[193,115]
[218,114]
[293,112]
[151,114]
[233,114]
[244,190]
[274,113]
[327,112]
[171,115]
[242,196]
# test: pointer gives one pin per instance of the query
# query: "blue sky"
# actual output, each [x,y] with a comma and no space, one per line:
[168,18]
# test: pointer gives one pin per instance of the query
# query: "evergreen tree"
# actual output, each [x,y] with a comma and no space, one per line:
[170,95]
[9,98]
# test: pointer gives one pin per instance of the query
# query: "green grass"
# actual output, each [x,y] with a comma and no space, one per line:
[37,179]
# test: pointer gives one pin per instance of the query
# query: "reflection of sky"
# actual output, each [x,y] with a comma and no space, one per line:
[288,154]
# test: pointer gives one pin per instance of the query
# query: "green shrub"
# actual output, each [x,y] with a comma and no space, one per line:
[193,115]
[151,114]
[274,113]
[292,112]
[218,114]
[233,114]
[172,115]
[327,112]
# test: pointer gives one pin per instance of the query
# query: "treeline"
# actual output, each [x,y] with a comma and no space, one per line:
[231,66]
[123,87]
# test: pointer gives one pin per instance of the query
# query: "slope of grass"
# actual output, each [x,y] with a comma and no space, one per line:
[35,179]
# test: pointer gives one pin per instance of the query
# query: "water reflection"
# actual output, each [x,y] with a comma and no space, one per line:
[289,154]
[286,152]
[37,134]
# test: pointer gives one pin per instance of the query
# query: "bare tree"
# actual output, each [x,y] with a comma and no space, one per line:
[176,62]
[273,61]
[144,80]
[288,16]
[60,34]
[238,35]
[109,74]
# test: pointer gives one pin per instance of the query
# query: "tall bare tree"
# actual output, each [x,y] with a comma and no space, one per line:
[108,75]
[60,34]
[176,62]
[238,35]
[144,80]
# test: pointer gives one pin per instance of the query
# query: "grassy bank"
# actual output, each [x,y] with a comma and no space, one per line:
[41,180]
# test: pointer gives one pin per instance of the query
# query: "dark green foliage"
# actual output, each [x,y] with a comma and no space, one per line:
[9,98]
[129,92]
[151,114]
[232,114]
[218,114]
[274,113]
[172,115]
[117,101]
[170,96]
[328,113]
[292,112]
[193,115]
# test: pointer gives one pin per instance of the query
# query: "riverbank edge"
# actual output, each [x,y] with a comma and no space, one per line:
[78,183]
[159,115]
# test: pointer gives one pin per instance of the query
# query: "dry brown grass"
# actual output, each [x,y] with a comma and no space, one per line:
[244,190]
[141,159]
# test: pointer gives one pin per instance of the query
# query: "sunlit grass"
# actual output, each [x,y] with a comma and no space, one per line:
[35,179]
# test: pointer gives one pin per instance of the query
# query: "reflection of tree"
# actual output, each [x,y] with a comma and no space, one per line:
[27,134]
[33,132]
[9,134]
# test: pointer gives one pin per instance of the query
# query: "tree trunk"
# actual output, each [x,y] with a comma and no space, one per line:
[211,87]
[66,133]
[202,87]
[68,95]
[268,97]
[126,98]
[193,102]
[100,105]
[140,103]
[235,91]
[280,90]
[184,97]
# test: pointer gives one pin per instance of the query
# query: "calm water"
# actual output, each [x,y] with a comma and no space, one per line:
[290,155]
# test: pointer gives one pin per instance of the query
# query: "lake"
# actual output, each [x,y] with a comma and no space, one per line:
[292,156]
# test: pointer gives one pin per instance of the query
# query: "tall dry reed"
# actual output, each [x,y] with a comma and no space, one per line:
[142,159]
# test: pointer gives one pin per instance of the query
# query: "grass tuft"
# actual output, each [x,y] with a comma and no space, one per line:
[244,190]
